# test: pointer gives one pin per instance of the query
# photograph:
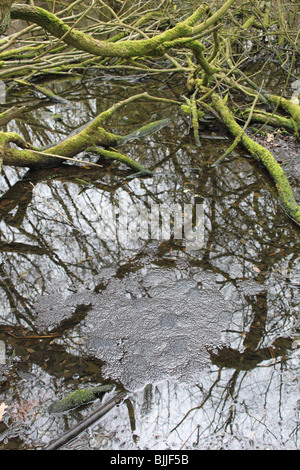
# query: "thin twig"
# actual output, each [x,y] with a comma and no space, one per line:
[67,32]
[197,427]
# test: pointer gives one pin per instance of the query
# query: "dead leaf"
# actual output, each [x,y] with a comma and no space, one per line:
[19,412]
[255,268]
[3,407]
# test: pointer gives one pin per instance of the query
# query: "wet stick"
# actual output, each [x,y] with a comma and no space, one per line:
[195,119]
[47,93]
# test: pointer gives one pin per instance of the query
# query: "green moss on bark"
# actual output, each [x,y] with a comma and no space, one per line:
[291,108]
[273,120]
[264,156]
[5,6]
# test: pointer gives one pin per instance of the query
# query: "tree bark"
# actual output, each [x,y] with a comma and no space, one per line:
[5,6]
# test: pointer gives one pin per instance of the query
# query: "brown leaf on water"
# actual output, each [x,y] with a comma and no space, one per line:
[3,407]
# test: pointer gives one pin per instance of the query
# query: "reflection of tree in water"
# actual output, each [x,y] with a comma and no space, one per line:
[247,241]
[240,368]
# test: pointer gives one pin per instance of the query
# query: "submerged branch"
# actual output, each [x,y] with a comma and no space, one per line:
[78,398]
[85,423]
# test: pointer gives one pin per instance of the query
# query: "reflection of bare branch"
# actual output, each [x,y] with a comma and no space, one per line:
[249,359]
[228,358]
[196,408]
[19,195]
[42,346]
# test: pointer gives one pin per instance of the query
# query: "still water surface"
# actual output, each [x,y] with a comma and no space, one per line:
[204,341]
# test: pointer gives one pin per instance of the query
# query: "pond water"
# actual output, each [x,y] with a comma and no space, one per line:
[205,341]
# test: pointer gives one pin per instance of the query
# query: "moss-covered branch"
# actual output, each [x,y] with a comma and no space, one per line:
[5,6]
[273,120]
[85,42]
[264,156]
[290,107]
[47,93]
[10,114]
[212,63]
[120,157]
[92,135]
